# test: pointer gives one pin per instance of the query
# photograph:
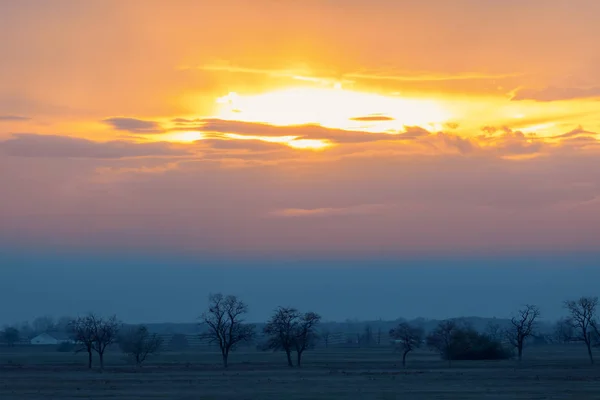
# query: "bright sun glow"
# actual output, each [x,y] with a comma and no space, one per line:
[333,108]
[183,137]
[311,144]
[338,108]
[292,141]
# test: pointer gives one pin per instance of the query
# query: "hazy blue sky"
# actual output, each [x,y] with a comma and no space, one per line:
[169,288]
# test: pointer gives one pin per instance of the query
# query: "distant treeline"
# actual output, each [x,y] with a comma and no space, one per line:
[223,327]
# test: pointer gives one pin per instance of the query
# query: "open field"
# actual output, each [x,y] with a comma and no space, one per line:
[550,372]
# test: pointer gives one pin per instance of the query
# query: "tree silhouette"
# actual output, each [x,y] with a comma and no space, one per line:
[139,343]
[522,327]
[305,335]
[408,337]
[583,320]
[281,330]
[225,322]
[441,339]
[10,336]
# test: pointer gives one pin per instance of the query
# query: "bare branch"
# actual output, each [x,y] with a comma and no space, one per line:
[441,338]
[563,331]
[305,335]
[281,330]
[225,323]
[408,337]
[80,330]
[139,343]
[290,330]
[583,320]
[104,333]
[522,327]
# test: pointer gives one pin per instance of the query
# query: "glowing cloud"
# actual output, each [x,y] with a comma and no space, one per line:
[332,108]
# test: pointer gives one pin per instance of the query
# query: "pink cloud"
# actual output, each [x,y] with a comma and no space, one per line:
[310,131]
[54,146]
[330,211]
[384,204]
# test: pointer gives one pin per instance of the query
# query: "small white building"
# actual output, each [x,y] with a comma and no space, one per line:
[51,338]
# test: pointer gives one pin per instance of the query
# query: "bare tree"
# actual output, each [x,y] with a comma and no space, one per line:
[226,325]
[522,327]
[80,330]
[441,339]
[367,336]
[104,333]
[583,320]
[325,334]
[494,331]
[281,330]
[139,343]
[563,331]
[10,336]
[289,330]
[305,335]
[408,337]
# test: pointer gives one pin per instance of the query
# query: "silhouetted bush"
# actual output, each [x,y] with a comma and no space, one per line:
[465,343]
[468,344]
[139,343]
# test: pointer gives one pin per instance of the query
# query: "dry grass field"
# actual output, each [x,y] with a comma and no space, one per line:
[552,372]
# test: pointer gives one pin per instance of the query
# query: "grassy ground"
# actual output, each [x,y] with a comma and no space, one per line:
[546,373]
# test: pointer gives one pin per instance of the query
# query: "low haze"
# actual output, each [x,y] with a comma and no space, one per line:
[171,288]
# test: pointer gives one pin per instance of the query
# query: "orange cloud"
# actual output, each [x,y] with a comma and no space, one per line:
[373,118]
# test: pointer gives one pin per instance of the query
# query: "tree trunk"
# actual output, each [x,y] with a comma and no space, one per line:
[101,355]
[289,358]
[299,359]
[520,351]
[225,356]
[89,358]
[589,350]
[404,359]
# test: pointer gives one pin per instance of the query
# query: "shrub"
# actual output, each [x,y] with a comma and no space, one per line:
[468,344]
[464,343]
[138,343]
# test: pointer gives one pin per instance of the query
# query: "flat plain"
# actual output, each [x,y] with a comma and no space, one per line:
[547,372]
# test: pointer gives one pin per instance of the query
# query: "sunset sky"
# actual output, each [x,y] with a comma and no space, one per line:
[371,129]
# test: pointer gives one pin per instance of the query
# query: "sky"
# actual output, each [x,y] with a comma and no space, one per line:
[241,133]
